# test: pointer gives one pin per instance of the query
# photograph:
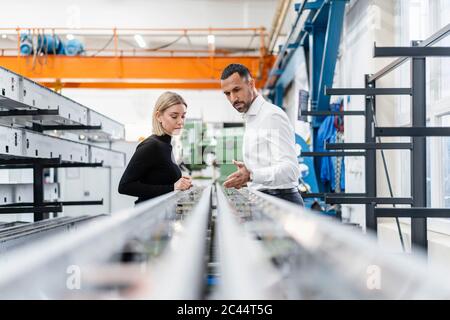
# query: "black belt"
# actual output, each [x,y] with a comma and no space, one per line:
[279,191]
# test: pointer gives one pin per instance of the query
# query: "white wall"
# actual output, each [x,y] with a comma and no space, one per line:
[137,13]
[134,107]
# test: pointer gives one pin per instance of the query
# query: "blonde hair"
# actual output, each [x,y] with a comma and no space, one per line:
[165,101]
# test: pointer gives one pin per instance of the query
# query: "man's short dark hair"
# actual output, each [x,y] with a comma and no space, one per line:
[233,68]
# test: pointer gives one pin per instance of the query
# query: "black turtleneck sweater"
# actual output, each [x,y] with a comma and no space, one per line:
[151,171]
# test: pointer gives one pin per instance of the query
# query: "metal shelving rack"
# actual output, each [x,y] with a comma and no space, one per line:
[417,53]
[27,112]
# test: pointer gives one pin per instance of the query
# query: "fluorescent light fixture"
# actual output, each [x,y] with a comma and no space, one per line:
[211,39]
[140,41]
[3,36]
[70,37]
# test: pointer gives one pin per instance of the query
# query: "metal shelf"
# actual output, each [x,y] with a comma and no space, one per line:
[25,102]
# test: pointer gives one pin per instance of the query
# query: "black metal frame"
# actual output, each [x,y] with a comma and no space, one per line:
[417,132]
[41,128]
[39,207]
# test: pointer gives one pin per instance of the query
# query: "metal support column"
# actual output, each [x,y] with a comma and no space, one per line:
[38,190]
[370,159]
[418,155]
[279,93]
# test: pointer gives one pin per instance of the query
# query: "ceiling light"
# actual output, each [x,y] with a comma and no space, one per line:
[140,41]
[3,36]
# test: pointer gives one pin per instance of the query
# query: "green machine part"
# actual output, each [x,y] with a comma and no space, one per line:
[193,143]
[228,148]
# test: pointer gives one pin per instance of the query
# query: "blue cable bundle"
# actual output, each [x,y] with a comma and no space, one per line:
[45,44]
[327,133]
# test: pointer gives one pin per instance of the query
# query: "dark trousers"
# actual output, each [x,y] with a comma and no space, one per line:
[293,197]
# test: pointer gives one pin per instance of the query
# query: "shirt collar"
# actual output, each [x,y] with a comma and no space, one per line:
[255,106]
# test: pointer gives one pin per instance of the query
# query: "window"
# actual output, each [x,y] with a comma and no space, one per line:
[445,120]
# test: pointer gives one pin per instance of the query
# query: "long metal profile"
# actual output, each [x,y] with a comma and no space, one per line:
[245,272]
[333,154]
[345,260]
[368,146]
[411,52]
[416,131]
[92,244]
[110,129]
[367,91]
[108,157]
[21,235]
[37,96]
[28,144]
[367,200]
[415,212]
[188,250]
[21,94]
[333,113]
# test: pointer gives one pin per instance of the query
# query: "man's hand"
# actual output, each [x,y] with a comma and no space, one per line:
[239,178]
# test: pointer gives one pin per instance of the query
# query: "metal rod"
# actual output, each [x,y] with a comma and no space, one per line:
[66,127]
[411,52]
[439,35]
[368,146]
[82,203]
[331,195]
[367,91]
[38,112]
[333,113]
[391,192]
[333,154]
[415,213]
[368,200]
[415,131]
[40,212]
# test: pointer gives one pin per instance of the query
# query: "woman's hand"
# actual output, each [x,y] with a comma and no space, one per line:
[184,183]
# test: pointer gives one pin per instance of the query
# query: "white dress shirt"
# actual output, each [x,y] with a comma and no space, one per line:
[269,147]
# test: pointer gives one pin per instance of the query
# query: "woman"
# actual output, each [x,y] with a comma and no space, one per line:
[152,170]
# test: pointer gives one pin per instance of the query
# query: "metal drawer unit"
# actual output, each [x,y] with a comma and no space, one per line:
[43,105]
[109,158]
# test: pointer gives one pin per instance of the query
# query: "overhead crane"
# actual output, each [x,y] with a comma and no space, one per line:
[117,67]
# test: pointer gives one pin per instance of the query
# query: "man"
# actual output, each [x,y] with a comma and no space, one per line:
[270,160]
